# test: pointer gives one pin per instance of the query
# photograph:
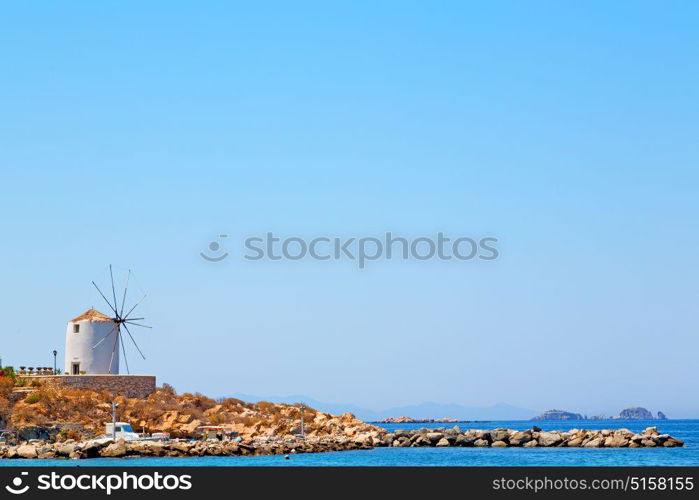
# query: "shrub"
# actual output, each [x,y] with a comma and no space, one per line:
[8,371]
[6,386]
[32,398]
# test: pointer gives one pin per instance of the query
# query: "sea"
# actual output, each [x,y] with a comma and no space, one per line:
[687,430]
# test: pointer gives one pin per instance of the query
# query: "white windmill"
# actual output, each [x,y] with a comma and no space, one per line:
[93,339]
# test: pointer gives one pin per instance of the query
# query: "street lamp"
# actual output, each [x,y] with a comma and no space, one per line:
[303,408]
[55,352]
[114,407]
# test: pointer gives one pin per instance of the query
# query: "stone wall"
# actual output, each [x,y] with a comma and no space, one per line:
[131,386]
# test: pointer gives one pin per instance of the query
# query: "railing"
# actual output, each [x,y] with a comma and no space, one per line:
[39,370]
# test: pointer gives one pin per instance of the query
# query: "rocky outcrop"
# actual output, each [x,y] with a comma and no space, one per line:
[168,412]
[661,416]
[635,413]
[559,415]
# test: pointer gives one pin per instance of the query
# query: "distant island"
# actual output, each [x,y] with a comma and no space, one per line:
[635,413]
[408,420]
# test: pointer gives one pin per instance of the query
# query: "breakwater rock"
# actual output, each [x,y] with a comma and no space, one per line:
[502,438]
[108,448]
[440,438]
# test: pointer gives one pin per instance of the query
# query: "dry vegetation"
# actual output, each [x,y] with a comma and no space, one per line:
[166,411]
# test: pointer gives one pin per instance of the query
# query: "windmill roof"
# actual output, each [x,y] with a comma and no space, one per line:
[92,315]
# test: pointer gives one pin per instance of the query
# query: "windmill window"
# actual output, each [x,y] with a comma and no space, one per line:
[76,328]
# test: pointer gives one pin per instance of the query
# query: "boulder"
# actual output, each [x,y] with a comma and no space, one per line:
[117,449]
[616,441]
[530,444]
[480,443]
[145,448]
[499,444]
[442,443]
[26,451]
[672,442]
[500,435]
[91,449]
[464,440]
[519,438]
[594,443]
[550,438]
[575,442]
[64,450]
[434,437]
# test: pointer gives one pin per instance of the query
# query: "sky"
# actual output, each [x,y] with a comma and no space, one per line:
[134,134]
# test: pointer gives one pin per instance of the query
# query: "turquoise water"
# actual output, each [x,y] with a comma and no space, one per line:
[687,430]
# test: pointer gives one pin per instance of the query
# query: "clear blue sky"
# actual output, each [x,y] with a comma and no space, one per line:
[133,134]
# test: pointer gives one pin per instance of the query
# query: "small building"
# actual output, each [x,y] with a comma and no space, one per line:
[92,344]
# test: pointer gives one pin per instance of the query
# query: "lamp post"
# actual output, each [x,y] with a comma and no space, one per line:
[303,408]
[114,407]
[55,352]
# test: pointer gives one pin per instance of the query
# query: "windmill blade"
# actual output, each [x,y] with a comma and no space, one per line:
[134,307]
[105,298]
[123,299]
[123,349]
[105,337]
[134,319]
[134,342]
[111,275]
[137,324]
[114,348]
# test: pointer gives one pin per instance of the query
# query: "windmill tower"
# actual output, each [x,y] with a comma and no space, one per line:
[94,339]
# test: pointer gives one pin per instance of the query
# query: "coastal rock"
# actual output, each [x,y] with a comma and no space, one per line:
[519,438]
[530,444]
[442,443]
[616,441]
[499,444]
[576,442]
[672,442]
[500,435]
[117,449]
[549,438]
[594,443]
[26,451]
[145,448]
[434,437]
[466,439]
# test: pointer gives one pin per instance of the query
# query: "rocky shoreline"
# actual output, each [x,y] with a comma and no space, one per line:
[121,449]
[440,437]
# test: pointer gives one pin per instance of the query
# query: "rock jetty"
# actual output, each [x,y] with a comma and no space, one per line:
[439,438]
[179,448]
[502,438]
